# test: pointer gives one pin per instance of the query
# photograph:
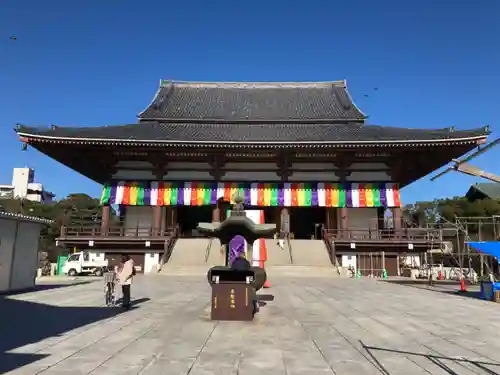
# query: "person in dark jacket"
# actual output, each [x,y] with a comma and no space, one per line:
[242,264]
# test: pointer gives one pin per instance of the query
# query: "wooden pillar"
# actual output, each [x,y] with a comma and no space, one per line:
[343,222]
[157,229]
[159,172]
[331,221]
[276,218]
[397,218]
[170,217]
[105,220]
[284,221]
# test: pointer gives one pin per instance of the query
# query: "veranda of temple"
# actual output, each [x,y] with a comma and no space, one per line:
[300,145]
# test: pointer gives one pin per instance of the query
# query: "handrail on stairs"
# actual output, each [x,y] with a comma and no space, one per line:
[331,250]
[289,248]
[208,249]
[168,247]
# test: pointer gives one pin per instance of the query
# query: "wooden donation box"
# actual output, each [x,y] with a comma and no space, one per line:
[232,295]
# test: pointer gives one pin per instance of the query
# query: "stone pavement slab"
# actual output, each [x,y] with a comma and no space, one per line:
[317,325]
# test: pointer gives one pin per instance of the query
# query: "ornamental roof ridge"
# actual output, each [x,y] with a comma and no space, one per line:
[254,85]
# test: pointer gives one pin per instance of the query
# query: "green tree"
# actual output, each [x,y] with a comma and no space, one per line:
[79,209]
[450,208]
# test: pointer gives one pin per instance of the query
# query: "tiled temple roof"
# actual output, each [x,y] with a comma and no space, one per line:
[254,133]
[218,114]
[252,101]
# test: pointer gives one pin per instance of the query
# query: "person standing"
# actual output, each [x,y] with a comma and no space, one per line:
[126,275]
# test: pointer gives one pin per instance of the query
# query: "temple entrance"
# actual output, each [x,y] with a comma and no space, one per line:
[307,222]
[188,218]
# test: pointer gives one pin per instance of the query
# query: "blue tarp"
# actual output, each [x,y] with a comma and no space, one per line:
[490,248]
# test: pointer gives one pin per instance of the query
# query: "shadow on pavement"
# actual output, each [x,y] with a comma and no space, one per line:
[442,286]
[469,294]
[442,362]
[262,299]
[265,297]
[24,322]
[420,282]
[46,286]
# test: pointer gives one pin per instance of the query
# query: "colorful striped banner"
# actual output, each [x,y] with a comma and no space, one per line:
[255,194]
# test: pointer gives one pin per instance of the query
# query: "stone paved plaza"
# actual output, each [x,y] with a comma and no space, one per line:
[313,326]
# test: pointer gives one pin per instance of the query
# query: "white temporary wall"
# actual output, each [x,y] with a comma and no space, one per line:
[151,260]
[255,215]
[25,256]
[18,253]
[7,237]
[349,259]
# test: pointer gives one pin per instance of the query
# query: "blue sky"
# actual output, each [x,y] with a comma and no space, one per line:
[90,63]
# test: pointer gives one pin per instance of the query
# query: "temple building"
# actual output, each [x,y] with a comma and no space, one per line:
[301,145]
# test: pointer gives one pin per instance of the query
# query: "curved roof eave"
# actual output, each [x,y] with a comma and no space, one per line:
[156,142]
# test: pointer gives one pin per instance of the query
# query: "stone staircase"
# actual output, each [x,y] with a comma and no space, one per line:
[195,256]
[310,253]
[276,256]
[215,258]
[188,252]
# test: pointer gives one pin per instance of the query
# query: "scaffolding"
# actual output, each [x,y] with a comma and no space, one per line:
[470,262]
[464,167]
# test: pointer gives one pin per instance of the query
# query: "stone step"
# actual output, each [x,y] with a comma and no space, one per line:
[310,253]
[272,271]
[302,271]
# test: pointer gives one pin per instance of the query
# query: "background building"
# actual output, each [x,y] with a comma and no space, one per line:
[24,187]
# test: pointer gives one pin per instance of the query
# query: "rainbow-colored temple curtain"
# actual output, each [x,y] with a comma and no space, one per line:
[255,194]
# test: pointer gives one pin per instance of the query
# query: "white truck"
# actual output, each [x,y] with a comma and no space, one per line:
[85,263]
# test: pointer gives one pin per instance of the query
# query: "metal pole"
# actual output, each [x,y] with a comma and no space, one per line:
[481,257]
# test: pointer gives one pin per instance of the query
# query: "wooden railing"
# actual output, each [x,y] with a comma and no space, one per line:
[113,231]
[405,234]
[329,246]
[208,249]
[169,247]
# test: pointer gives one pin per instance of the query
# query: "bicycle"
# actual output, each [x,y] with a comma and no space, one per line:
[110,282]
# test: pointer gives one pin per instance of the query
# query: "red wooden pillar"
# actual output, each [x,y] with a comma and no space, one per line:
[397,221]
[105,220]
[156,220]
[343,222]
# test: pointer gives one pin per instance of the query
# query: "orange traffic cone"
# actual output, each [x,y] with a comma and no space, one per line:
[441,277]
[462,286]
